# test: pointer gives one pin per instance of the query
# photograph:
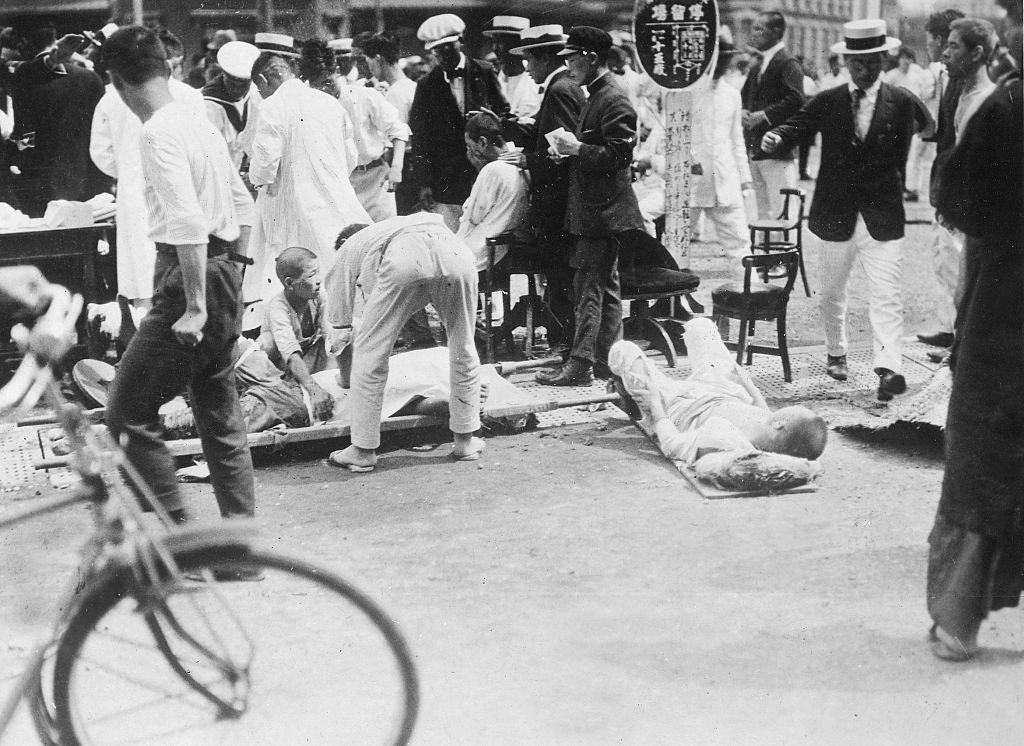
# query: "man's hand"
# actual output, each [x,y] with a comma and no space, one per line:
[752,119]
[66,46]
[394,177]
[26,287]
[770,142]
[566,144]
[321,402]
[188,329]
[515,157]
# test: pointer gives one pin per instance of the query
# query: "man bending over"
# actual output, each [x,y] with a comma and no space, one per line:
[717,409]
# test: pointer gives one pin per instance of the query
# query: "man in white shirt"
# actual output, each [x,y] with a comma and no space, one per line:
[519,89]
[199,214]
[912,77]
[232,101]
[717,408]
[499,198]
[970,45]
[301,162]
[380,137]
[115,149]
[380,276]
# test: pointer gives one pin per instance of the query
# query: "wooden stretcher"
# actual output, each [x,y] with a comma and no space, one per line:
[711,492]
[280,437]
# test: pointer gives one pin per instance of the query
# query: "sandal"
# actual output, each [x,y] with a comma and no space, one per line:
[337,459]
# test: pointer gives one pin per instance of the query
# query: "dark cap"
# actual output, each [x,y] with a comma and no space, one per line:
[587,39]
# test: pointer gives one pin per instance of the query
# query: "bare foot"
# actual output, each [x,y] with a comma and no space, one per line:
[467,447]
[354,459]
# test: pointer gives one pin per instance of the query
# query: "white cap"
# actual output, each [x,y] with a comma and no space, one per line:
[236,58]
[282,44]
[440,30]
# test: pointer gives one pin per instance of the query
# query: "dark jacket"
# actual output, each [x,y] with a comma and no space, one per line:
[945,134]
[601,199]
[439,148]
[859,178]
[982,194]
[779,94]
[549,181]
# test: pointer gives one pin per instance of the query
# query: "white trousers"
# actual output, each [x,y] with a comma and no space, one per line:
[731,228]
[371,188]
[418,268]
[919,161]
[769,177]
[881,262]
[947,247]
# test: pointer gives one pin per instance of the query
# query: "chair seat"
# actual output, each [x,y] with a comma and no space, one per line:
[772,225]
[656,281]
[762,299]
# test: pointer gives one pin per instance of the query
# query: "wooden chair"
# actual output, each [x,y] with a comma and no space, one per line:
[790,224]
[760,302]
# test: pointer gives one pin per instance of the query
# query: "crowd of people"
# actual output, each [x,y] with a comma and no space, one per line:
[320,196]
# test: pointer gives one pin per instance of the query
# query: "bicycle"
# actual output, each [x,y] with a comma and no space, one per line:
[158,642]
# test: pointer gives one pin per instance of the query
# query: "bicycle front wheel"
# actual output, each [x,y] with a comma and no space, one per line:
[299,656]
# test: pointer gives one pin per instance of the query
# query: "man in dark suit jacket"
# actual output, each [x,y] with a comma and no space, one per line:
[457,86]
[561,103]
[601,204]
[857,208]
[772,93]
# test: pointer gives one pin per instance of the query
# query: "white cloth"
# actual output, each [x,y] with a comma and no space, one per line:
[717,145]
[828,80]
[6,117]
[916,79]
[301,158]
[192,189]
[497,203]
[769,176]
[239,143]
[376,123]
[946,248]
[522,95]
[115,148]
[881,262]
[866,108]
[400,95]
[370,186]
[396,268]
[970,100]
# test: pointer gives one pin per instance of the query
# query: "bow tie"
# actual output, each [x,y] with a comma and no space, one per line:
[540,90]
[457,73]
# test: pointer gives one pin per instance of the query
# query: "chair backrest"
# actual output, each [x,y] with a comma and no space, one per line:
[797,195]
[789,259]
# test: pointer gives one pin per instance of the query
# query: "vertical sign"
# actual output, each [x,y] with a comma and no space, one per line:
[676,42]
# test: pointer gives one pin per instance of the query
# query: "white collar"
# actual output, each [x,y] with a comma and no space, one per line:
[768,54]
[551,75]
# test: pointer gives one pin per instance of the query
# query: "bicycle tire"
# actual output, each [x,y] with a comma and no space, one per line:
[108,598]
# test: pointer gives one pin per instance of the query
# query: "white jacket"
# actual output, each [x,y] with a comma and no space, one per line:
[114,147]
[301,160]
[718,146]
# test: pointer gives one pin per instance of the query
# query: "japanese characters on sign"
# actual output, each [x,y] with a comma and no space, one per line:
[676,39]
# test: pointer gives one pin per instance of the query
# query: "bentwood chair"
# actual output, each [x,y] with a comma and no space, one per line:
[788,228]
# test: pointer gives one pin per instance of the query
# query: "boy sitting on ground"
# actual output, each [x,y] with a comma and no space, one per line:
[294,328]
[718,410]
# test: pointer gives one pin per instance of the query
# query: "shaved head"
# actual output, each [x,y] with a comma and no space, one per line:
[293,262]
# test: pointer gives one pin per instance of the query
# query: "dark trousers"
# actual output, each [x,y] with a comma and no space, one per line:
[598,298]
[156,368]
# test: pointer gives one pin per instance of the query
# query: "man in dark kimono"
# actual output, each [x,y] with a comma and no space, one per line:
[601,204]
[976,558]
[444,98]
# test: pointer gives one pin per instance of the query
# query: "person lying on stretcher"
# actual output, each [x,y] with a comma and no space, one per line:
[716,420]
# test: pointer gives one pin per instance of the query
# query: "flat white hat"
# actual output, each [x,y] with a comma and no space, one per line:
[866,36]
[536,37]
[236,58]
[440,30]
[282,44]
[506,26]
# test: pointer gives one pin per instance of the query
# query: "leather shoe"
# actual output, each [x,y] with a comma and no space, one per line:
[890,384]
[940,339]
[836,367]
[576,372]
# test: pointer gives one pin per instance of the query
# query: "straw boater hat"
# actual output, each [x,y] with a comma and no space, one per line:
[865,37]
[236,58]
[506,26]
[537,37]
[340,47]
[281,44]
[440,29]
[99,37]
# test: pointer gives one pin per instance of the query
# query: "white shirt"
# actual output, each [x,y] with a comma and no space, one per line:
[970,100]
[376,123]
[239,143]
[400,95]
[867,108]
[192,189]
[917,80]
[458,85]
[766,57]
[521,93]
[717,145]
[497,203]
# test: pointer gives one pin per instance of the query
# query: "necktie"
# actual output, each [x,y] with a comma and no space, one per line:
[858,96]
